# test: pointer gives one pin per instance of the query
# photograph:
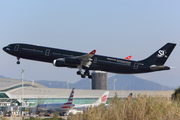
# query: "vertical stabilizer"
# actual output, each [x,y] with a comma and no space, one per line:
[160,56]
[102,99]
[129,97]
[70,100]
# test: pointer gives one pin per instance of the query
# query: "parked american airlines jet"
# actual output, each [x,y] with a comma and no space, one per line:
[90,61]
[57,107]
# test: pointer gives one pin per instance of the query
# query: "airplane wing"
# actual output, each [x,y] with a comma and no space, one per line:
[87,56]
[81,107]
[86,59]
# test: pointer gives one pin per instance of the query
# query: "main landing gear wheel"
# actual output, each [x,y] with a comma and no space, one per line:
[83,76]
[86,73]
[79,72]
[89,76]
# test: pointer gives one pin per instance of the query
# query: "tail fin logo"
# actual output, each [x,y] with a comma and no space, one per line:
[103,98]
[161,53]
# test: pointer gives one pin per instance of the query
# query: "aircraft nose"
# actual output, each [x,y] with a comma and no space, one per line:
[6,49]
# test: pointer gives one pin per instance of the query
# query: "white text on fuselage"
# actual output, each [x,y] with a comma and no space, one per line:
[121,62]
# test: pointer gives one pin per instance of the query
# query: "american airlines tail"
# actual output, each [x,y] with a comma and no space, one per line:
[70,100]
[69,104]
[102,99]
[59,107]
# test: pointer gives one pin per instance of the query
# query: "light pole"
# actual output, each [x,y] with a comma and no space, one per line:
[32,83]
[68,84]
[22,78]
[115,84]
[90,87]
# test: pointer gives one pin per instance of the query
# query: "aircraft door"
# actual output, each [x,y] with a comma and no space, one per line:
[16,48]
[136,64]
[47,52]
[95,60]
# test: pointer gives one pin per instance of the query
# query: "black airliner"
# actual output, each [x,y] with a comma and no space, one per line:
[91,61]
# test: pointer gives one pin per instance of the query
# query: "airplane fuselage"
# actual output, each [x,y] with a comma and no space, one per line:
[99,62]
[54,107]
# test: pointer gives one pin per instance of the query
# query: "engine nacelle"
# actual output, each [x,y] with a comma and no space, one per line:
[62,62]
[72,61]
[59,63]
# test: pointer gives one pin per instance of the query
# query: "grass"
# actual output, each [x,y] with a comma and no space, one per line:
[55,117]
[141,108]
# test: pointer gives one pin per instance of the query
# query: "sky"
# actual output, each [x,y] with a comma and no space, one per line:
[115,28]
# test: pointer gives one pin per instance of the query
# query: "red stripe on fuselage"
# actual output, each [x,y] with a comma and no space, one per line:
[65,107]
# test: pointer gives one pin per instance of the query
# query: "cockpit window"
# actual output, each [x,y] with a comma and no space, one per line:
[9,46]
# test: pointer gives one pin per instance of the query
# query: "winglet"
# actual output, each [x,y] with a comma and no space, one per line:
[128,58]
[93,52]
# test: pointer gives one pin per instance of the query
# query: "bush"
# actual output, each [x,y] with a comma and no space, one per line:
[176,94]
[3,118]
[141,108]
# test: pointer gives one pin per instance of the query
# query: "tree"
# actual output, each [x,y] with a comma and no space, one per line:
[176,94]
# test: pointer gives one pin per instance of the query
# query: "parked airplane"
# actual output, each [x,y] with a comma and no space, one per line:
[57,107]
[90,61]
[79,108]
[101,100]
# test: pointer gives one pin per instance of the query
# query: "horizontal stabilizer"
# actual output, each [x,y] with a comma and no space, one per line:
[161,67]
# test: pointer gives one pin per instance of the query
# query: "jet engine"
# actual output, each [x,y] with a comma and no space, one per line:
[62,62]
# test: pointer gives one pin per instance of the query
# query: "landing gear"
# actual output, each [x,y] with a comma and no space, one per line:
[18,62]
[83,76]
[90,76]
[86,73]
[79,72]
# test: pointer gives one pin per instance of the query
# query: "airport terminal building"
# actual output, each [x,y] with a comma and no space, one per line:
[11,91]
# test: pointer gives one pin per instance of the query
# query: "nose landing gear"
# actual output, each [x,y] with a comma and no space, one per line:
[18,62]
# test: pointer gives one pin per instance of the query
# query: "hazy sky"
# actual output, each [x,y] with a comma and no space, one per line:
[114,28]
